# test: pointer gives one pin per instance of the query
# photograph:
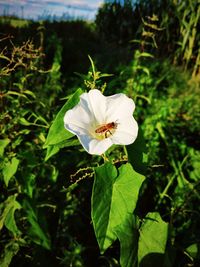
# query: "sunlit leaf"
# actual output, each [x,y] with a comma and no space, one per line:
[28,92]
[24,122]
[3,144]
[29,184]
[152,240]
[92,64]
[10,169]
[17,94]
[193,250]
[145,54]
[51,150]
[115,195]
[7,217]
[57,132]
[54,174]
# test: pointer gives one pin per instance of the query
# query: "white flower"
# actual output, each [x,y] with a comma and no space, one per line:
[100,121]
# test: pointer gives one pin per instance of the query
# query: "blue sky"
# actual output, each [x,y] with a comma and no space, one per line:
[43,8]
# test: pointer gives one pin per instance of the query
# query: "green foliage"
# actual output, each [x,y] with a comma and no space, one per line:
[142,244]
[116,21]
[35,231]
[9,169]
[22,132]
[94,78]
[11,249]
[45,208]
[120,193]
[15,22]
[152,240]
[138,148]
[127,233]
[53,137]
[56,141]
[7,217]
[192,250]
[189,18]
[3,144]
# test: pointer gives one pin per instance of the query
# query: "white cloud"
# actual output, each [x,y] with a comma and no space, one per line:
[35,8]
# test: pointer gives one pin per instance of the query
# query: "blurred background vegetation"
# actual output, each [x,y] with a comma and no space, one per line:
[152,48]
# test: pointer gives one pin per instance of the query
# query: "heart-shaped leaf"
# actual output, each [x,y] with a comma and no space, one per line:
[115,194]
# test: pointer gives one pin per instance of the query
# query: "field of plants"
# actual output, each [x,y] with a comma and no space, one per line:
[67,202]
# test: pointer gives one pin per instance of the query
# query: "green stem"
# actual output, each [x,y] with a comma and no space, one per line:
[105,158]
[125,151]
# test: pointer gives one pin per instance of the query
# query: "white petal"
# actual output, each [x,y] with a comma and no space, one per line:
[95,109]
[95,103]
[126,132]
[118,107]
[76,129]
[77,120]
[94,146]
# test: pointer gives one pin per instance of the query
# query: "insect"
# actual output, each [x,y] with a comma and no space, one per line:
[106,128]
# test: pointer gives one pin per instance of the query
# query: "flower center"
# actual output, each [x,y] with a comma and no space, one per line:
[104,131]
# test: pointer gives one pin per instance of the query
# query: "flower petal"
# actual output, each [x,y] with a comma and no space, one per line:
[95,103]
[119,106]
[94,146]
[77,120]
[126,132]
[95,109]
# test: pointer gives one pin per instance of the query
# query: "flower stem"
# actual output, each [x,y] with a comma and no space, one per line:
[105,158]
[125,152]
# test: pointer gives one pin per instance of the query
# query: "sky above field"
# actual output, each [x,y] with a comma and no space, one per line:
[34,9]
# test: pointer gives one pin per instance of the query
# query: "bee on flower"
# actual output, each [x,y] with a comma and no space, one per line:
[100,121]
[106,128]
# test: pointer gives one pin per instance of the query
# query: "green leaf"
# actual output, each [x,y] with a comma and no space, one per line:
[10,169]
[92,64]
[137,154]
[7,217]
[29,184]
[3,144]
[54,149]
[16,93]
[54,174]
[152,240]
[145,54]
[193,250]
[28,92]
[114,196]
[10,250]
[51,150]
[195,163]
[105,75]
[36,233]
[24,122]
[144,69]
[128,235]
[57,132]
